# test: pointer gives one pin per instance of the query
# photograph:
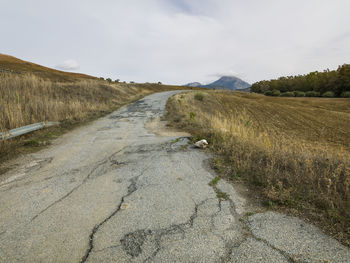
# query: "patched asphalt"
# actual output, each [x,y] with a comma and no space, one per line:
[113,191]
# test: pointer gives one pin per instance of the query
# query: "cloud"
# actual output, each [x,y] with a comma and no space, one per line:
[227,73]
[69,64]
[180,41]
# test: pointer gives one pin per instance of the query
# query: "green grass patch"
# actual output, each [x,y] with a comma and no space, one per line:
[222,195]
[214,181]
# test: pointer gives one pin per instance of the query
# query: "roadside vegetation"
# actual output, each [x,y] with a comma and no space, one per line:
[327,84]
[30,93]
[27,99]
[294,151]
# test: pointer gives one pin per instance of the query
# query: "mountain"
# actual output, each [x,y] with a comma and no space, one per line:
[225,82]
[9,64]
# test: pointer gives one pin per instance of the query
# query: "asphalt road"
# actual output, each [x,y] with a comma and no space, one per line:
[114,191]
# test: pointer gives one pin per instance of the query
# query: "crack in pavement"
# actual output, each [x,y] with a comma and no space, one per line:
[133,241]
[246,234]
[131,189]
[99,164]
[288,257]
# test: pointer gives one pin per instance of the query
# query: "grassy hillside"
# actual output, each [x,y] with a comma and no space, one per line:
[9,64]
[296,151]
[30,93]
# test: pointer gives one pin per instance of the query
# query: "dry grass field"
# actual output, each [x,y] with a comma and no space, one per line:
[296,151]
[27,99]
[30,93]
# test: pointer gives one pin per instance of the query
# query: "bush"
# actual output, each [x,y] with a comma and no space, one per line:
[328,94]
[299,94]
[312,94]
[199,96]
[109,80]
[268,93]
[288,94]
[345,94]
[276,93]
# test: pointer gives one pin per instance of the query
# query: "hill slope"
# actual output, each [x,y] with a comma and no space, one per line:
[225,82]
[10,64]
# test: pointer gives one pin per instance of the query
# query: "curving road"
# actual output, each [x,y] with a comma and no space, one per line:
[115,192]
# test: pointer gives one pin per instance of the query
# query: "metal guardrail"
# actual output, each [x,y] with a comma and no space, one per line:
[25,129]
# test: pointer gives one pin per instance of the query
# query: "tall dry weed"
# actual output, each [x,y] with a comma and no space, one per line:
[26,99]
[290,168]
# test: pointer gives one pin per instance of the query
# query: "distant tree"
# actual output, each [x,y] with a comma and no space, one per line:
[109,80]
[328,94]
[299,94]
[288,94]
[311,85]
[159,83]
[345,94]
[275,93]
[312,94]
[344,77]
[268,93]
[101,78]
[117,80]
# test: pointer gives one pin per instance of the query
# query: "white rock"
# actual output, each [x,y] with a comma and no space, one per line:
[201,144]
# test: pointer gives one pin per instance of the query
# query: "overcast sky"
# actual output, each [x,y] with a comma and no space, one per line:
[178,41]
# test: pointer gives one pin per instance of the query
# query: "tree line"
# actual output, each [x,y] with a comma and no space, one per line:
[329,83]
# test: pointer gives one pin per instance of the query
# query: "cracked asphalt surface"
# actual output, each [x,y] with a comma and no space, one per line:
[115,192]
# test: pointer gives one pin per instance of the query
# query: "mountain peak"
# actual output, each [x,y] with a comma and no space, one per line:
[224,82]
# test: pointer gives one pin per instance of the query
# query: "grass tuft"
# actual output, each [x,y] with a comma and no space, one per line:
[222,195]
[214,181]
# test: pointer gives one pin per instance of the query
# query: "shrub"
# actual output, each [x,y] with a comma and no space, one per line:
[276,93]
[328,94]
[288,94]
[268,93]
[312,94]
[109,80]
[299,94]
[345,94]
[199,96]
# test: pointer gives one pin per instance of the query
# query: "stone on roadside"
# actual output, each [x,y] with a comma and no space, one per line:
[201,144]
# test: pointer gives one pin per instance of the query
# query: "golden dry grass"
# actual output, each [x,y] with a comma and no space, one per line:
[297,150]
[27,99]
